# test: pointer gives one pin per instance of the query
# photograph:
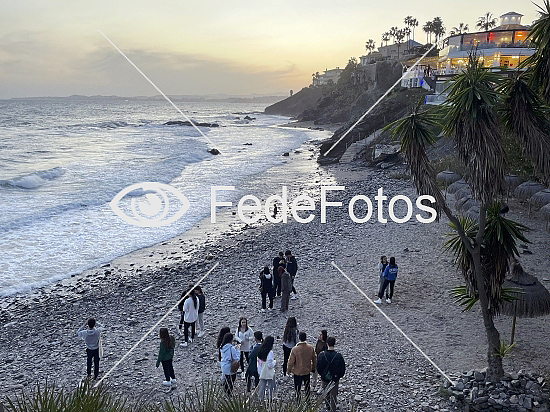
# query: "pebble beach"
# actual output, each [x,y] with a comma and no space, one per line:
[384,371]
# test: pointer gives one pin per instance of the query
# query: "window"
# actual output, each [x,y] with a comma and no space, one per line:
[520,37]
[471,41]
[501,38]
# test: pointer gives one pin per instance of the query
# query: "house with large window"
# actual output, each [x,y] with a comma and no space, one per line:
[501,48]
[329,76]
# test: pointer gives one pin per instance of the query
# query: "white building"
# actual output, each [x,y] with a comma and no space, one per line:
[391,51]
[332,75]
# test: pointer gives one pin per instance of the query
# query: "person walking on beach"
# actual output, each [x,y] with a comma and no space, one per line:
[390,274]
[331,368]
[320,346]
[252,368]
[90,332]
[278,261]
[266,368]
[266,288]
[166,356]
[190,316]
[202,307]
[381,267]
[286,288]
[301,363]
[292,268]
[245,336]
[184,296]
[229,354]
[290,339]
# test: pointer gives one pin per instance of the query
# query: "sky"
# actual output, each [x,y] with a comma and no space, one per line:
[53,48]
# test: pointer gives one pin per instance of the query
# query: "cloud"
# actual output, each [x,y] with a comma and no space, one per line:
[34,65]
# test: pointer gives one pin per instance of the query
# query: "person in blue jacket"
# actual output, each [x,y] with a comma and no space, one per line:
[390,274]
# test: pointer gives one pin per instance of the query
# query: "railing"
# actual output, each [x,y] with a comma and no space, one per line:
[435,98]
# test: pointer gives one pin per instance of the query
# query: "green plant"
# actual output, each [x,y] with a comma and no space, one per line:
[504,349]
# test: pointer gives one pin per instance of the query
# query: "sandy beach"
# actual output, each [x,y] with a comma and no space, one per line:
[129,294]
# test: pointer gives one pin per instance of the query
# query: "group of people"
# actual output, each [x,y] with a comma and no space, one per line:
[280,282]
[192,304]
[299,359]
[386,281]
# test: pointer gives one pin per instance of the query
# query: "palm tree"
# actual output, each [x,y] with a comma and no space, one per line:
[428,28]
[399,36]
[370,45]
[486,22]
[539,36]
[471,119]
[462,28]
[437,28]
[407,32]
[385,37]
[393,32]
[413,23]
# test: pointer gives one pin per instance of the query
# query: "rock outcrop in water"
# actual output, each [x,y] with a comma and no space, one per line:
[188,123]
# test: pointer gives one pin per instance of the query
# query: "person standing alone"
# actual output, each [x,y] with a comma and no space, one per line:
[292,268]
[166,356]
[91,335]
[301,363]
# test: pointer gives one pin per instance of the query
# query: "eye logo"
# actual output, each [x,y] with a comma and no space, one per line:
[150,211]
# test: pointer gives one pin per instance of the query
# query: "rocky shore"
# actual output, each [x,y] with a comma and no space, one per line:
[384,372]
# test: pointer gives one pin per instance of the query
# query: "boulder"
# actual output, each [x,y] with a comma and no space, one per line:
[188,123]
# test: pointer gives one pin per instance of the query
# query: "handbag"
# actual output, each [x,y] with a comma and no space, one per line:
[234,363]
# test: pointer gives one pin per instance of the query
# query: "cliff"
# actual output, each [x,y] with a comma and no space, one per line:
[295,105]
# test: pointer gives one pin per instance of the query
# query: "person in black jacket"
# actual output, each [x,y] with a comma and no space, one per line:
[276,277]
[292,268]
[331,368]
[266,287]
[202,307]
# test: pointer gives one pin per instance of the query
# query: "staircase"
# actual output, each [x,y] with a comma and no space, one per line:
[355,149]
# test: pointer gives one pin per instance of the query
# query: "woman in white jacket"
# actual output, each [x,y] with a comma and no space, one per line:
[245,336]
[190,316]
[266,368]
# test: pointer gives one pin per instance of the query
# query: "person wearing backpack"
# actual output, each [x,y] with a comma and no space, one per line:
[252,368]
[390,274]
[230,356]
[331,368]
[166,356]
[266,288]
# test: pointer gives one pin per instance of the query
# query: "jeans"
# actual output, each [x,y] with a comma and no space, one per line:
[228,382]
[168,368]
[249,377]
[286,355]
[293,288]
[270,384]
[92,354]
[330,400]
[243,355]
[186,330]
[200,321]
[384,286]
[380,283]
[298,379]
[276,282]
[270,295]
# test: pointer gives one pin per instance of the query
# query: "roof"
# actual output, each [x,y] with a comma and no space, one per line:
[512,13]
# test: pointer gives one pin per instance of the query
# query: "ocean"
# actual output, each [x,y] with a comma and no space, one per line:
[62,161]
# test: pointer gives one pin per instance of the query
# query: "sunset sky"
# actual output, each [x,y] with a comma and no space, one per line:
[52,48]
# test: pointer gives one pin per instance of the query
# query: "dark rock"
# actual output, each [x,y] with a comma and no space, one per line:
[214,151]
[327,160]
[286,154]
[188,123]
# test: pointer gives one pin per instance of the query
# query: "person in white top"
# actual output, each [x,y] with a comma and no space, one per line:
[190,316]
[266,368]
[91,333]
[245,336]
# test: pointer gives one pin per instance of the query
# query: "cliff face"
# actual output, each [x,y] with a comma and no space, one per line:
[295,105]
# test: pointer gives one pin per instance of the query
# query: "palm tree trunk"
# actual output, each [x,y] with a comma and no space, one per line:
[495,370]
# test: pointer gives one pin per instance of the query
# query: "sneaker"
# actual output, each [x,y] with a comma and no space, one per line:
[173,381]
[378,301]
[201,334]
[262,310]
[388,300]
[166,383]
[294,297]
[320,391]
[190,340]
[185,344]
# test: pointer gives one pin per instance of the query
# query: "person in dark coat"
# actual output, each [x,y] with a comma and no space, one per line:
[266,287]
[276,279]
[331,368]
[292,268]
[286,288]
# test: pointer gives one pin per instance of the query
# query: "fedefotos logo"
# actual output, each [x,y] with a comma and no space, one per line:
[150,206]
